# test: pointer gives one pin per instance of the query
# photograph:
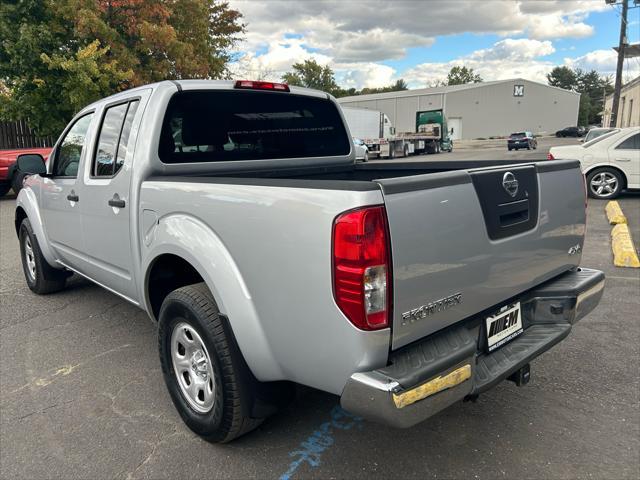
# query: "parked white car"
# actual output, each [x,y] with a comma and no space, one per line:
[362,152]
[610,162]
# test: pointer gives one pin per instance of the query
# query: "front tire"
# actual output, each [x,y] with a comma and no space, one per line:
[4,189]
[41,277]
[605,183]
[366,157]
[207,378]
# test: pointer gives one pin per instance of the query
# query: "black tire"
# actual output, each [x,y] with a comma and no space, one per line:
[366,157]
[528,146]
[230,414]
[392,152]
[4,189]
[16,182]
[44,279]
[509,148]
[405,151]
[620,184]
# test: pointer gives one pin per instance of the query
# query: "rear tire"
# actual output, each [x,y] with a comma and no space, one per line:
[41,277]
[4,189]
[392,152]
[207,377]
[366,157]
[605,183]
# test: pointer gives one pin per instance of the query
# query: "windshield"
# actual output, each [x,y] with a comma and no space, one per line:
[600,138]
[595,133]
[223,125]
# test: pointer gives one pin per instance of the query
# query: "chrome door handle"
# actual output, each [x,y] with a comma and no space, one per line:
[620,159]
[73,198]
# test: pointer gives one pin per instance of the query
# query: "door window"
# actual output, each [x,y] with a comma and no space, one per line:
[113,139]
[70,148]
[124,136]
[631,143]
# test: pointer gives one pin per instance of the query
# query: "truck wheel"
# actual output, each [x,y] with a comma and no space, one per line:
[366,157]
[405,151]
[605,183]
[4,188]
[41,277]
[208,380]
[392,153]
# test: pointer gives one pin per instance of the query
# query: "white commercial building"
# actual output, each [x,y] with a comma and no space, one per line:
[479,110]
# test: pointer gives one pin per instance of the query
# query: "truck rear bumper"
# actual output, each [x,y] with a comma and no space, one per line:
[431,374]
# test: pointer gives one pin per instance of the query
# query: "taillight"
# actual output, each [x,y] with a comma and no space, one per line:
[362,267]
[550,157]
[255,85]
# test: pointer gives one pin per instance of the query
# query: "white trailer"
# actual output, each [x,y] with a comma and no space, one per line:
[377,132]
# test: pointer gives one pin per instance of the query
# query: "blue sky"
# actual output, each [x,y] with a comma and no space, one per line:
[373,43]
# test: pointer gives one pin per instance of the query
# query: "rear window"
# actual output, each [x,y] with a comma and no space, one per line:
[519,135]
[219,126]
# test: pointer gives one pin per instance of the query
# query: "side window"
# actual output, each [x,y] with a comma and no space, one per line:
[113,139]
[124,136]
[70,149]
[631,143]
[105,158]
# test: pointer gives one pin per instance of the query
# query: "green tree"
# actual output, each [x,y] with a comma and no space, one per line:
[57,56]
[311,74]
[461,75]
[562,77]
[397,86]
[592,87]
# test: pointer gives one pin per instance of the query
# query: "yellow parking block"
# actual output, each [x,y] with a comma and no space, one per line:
[624,253]
[614,213]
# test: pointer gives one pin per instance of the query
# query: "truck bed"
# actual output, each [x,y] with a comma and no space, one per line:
[456,231]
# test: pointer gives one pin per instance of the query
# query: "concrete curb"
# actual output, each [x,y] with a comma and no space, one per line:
[624,253]
[614,213]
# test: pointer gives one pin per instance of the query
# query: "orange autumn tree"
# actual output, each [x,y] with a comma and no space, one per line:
[160,40]
[58,55]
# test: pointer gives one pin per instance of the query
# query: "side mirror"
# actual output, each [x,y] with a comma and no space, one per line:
[31,164]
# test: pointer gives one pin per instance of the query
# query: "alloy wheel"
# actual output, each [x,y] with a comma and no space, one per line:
[604,184]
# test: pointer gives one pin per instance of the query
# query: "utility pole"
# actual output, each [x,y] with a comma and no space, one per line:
[621,45]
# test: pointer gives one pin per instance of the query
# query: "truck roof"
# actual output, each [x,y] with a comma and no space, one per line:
[194,85]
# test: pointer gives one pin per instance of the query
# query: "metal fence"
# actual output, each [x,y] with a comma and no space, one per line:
[19,135]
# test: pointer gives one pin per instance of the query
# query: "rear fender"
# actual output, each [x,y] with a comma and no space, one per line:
[192,240]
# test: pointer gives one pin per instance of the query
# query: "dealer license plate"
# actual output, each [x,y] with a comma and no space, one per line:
[504,326]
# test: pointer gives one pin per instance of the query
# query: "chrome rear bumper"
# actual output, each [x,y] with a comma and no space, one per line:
[428,376]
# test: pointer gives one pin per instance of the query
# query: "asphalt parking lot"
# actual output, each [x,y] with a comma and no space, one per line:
[82,396]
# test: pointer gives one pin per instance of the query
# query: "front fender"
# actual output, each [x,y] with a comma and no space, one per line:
[28,201]
[192,240]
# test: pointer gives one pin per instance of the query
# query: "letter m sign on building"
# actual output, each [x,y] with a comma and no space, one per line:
[518,90]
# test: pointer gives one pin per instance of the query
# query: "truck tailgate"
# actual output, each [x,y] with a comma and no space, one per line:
[466,241]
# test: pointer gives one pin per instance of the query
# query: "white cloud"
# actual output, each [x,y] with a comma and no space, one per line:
[605,61]
[353,36]
[515,49]
[508,58]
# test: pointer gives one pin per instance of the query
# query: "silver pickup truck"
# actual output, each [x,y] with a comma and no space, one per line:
[235,215]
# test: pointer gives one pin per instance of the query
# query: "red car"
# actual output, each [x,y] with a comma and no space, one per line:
[7,159]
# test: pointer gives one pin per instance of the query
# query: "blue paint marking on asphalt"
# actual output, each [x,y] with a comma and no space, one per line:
[310,450]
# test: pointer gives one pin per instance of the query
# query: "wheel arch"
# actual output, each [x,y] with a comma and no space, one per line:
[27,207]
[185,249]
[603,166]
